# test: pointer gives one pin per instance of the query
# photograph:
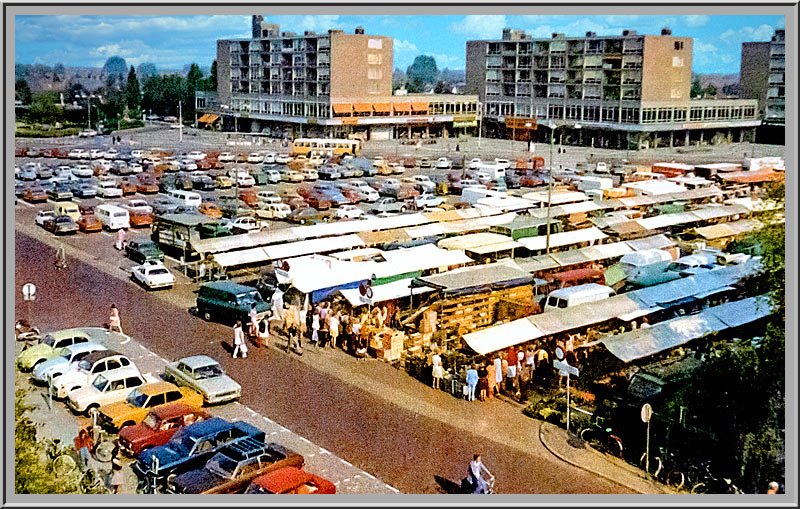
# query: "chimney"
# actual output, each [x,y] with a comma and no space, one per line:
[591,34]
[666,31]
[309,32]
[359,30]
[506,34]
[627,33]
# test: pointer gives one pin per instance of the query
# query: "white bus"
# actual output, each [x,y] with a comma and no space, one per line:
[325,147]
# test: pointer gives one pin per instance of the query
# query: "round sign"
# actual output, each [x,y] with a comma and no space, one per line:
[647,412]
[559,353]
[362,288]
[29,291]
[369,293]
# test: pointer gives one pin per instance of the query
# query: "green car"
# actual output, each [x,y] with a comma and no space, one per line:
[204,375]
[52,343]
[143,250]
[229,301]
[214,230]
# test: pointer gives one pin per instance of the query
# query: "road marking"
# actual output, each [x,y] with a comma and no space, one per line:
[105,233]
[143,347]
[346,480]
[346,463]
[273,433]
[31,205]
[369,475]
[304,439]
[324,451]
[393,488]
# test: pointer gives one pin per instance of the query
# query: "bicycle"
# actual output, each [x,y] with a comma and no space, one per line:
[62,462]
[597,435]
[662,468]
[706,482]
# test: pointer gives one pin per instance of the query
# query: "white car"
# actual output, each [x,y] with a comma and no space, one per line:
[187,164]
[281,158]
[104,164]
[244,179]
[349,212]
[255,158]
[367,193]
[263,195]
[87,133]
[444,163]
[136,167]
[474,163]
[61,172]
[288,175]
[137,154]
[105,362]
[152,160]
[226,157]
[310,174]
[272,200]
[503,163]
[44,215]
[110,153]
[428,200]
[246,224]
[82,171]
[175,126]
[196,155]
[269,158]
[108,189]
[106,390]
[378,160]
[423,181]
[273,210]
[68,358]
[316,161]
[75,153]
[138,206]
[274,176]
[153,274]
[96,153]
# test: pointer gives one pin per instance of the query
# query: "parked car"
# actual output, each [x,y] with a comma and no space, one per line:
[288,175]
[158,427]
[203,183]
[146,185]
[190,448]
[273,210]
[388,204]
[249,196]
[102,362]
[283,158]
[290,481]
[87,133]
[329,173]
[273,176]
[269,158]
[134,408]
[318,200]
[214,230]
[153,275]
[255,158]
[89,223]
[49,346]
[61,225]
[108,189]
[428,200]
[233,468]
[187,164]
[310,174]
[104,390]
[530,180]
[305,215]
[83,190]
[226,157]
[204,375]
[424,162]
[196,155]
[67,358]
[246,225]
[142,250]
[229,301]
[349,212]
[34,194]
[210,209]
[60,192]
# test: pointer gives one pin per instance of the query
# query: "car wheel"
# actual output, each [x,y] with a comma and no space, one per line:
[126,424]
[207,316]
[92,409]
[403,208]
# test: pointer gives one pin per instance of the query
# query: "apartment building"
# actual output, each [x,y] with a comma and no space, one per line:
[331,84]
[763,77]
[610,91]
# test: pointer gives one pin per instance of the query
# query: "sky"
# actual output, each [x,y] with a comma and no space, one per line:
[171,42]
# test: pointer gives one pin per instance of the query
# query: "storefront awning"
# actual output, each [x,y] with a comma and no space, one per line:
[208,118]
[342,109]
[381,293]
[362,108]
[402,107]
[382,107]
[419,107]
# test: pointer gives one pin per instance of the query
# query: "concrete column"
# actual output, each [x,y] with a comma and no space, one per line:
[580,137]
[671,138]
[686,143]
[741,135]
[701,136]
[754,135]
[427,131]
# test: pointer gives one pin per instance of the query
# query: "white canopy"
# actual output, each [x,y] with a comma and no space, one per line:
[502,336]
[563,239]
[381,293]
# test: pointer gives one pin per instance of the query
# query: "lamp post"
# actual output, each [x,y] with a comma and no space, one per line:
[480,122]
[89,101]
[553,128]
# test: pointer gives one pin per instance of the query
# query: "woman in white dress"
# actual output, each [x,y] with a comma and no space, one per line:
[438,370]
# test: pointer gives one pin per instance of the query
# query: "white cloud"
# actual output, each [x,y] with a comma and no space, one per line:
[450,61]
[480,26]
[110,50]
[403,45]
[748,34]
[781,23]
[696,20]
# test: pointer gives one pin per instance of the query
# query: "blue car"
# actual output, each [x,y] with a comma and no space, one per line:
[189,449]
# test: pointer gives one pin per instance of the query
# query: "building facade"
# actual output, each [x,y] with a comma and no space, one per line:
[610,91]
[332,84]
[763,77]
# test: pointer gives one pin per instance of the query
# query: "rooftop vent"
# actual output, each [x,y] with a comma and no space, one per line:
[333,31]
[309,32]
[591,34]
[626,33]
[555,35]
[359,30]
[666,31]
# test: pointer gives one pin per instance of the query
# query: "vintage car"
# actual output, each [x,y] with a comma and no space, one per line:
[204,375]
[210,209]
[143,250]
[67,358]
[80,374]
[349,212]
[153,274]
[305,215]
[61,225]
[232,468]
[158,427]
[140,401]
[128,187]
[290,481]
[140,219]
[50,345]
[214,230]
[104,390]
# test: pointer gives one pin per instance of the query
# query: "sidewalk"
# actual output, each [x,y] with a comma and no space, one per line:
[569,448]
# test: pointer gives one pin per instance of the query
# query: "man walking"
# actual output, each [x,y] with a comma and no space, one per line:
[472,382]
[239,344]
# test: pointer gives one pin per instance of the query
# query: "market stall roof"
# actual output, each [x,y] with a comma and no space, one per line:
[501,274]
[665,220]
[563,238]
[741,312]
[473,240]
[655,187]
[718,231]
[350,254]
[719,211]
[606,251]
[525,222]
[222,244]
[627,228]
[381,293]
[494,248]
[502,336]
[316,272]
[419,107]
[304,247]
[504,203]
[537,263]
[382,107]
[418,258]
[571,257]
[582,315]
[556,197]
[208,118]
[362,108]
[637,201]
[752,177]
[341,109]
[653,242]
[662,336]
[383,237]
[690,287]
[401,107]
[241,257]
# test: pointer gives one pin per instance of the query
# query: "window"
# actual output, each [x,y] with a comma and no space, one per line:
[696,114]
[679,115]
[711,113]
[648,115]
[574,112]
[610,114]
[591,113]
[372,88]
[678,45]
[664,115]
[677,61]
[556,111]
[173,396]
[374,73]
[155,400]
[630,115]
[374,58]
[375,44]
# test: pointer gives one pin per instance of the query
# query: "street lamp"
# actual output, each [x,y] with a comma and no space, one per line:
[553,128]
[89,102]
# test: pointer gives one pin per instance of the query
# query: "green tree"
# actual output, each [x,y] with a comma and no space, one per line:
[133,97]
[421,72]
[710,91]
[697,89]
[44,109]
[22,91]
[115,67]
[213,77]
[146,70]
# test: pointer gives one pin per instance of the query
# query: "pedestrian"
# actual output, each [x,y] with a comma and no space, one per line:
[437,370]
[61,258]
[315,325]
[356,339]
[483,382]
[84,444]
[773,488]
[530,361]
[120,245]
[333,327]
[542,359]
[457,147]
[472,382]
[262,336]
[116,470]
[511,372]
[491,380]
[498,377]
[253,329]
[114,322]
[277,303]
[475,474]
[239,344]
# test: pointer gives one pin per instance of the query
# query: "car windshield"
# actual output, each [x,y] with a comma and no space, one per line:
[65,353]
[206,372]
[49,340]
[151,421]
[137,398]
[156,272]
[100,383]
[222,465]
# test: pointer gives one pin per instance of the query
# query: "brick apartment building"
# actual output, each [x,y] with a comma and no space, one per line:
[763,77]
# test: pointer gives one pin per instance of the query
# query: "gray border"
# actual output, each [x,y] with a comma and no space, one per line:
[789,10]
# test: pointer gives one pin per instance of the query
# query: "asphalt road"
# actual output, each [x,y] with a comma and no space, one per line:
[403,448]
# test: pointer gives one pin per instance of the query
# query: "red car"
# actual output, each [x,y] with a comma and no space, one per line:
[249,196]
[128,187]
[295,202]
[34,194]
[318,201]
[158,427]
[140,219]
[147,185]
[89,223]
[529,180]
[290,481]
[350,193]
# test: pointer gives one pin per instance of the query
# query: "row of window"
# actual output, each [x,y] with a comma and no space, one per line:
[698,114]
[277,107]
[575,46]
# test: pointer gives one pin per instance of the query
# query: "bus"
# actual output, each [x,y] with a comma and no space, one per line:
[325,147]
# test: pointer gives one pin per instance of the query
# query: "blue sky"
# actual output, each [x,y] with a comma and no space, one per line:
[173,41]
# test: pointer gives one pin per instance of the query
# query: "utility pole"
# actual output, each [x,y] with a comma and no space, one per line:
[180,122]
[89,101]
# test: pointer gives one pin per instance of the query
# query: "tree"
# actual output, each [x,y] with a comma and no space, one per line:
[697,89]
[115,66]
[212,80]
[133,97]
[146,70]
[44,110]
[710,91]
[22,91]
[421,72]
[441,88]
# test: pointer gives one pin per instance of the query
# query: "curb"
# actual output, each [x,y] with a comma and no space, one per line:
[591,471]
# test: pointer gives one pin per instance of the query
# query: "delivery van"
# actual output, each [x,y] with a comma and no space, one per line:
[186,197]
[113,217]
[68,208]
[574,295]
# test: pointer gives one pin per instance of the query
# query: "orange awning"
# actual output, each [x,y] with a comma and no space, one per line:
[402,107]
[419,107]
[362,108]
[382,107]
[342,109]
[208,118]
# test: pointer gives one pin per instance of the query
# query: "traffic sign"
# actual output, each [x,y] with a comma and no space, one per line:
[559,353]
[563,366]
[29,291]
[647,412]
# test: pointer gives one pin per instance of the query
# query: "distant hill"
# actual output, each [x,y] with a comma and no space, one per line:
[726,84]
